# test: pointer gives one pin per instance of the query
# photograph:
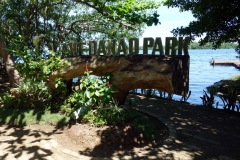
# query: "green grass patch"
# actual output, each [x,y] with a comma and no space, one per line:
[143,124]
[235,78]
[140,121]
[28,117]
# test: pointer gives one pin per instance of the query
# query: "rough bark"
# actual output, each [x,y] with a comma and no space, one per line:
[165,73]
[12,72]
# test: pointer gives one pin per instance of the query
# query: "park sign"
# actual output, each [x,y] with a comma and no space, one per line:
[116,48]
[166,68]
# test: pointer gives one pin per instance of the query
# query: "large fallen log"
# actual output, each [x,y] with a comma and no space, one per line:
[165,73]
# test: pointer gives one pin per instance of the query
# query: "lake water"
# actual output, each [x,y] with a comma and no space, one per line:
[202,74]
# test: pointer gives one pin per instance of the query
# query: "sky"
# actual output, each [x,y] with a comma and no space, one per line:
[170,18]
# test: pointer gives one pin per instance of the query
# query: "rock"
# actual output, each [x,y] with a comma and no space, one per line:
[165,73]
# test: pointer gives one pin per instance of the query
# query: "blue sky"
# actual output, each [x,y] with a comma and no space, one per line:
[170,18]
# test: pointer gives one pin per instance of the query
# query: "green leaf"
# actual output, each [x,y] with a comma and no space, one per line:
[81,86]
[101,94]
[88,94]
[97,93]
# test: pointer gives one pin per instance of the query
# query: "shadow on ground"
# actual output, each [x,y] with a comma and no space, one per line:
[200,133]
[196,133]
[25,143]
[126,143]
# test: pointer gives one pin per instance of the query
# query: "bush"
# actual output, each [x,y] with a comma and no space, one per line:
[93,93]
[29,95]
[110,114]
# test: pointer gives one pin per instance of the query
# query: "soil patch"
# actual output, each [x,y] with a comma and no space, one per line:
[106,141]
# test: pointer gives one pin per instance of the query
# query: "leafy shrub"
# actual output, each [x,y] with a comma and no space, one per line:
[110,114]
[230,100]
[81,111]
[29,95]
[94,95]
[208,100]
[185,97]
[34,66]
[93,102]
[7,100]
[144,125]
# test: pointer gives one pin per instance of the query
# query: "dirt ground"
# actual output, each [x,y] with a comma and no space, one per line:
[103,141]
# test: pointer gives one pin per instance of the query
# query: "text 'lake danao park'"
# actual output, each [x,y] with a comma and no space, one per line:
[111,47]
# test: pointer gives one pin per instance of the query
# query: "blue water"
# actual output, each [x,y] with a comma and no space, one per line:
[202,74]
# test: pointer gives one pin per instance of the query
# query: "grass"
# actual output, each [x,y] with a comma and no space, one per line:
[233,82]
[11,116]
[235,78]
[143,124]
[28,117]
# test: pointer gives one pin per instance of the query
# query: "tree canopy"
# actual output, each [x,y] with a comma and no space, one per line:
[61,21]
[64,21]
[216,21]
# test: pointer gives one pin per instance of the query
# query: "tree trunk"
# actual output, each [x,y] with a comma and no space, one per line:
[12,72]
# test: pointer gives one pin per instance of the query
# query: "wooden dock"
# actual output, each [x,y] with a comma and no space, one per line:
[235,63]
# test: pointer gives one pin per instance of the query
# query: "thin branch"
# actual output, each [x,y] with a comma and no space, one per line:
[105,14]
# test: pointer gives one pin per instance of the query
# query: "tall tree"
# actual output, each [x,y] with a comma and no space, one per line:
[11,70]
[216,21]
[62,21]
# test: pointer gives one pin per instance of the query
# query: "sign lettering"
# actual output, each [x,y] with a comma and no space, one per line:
[114,48]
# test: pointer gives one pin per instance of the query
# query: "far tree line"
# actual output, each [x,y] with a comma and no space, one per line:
[195,45]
